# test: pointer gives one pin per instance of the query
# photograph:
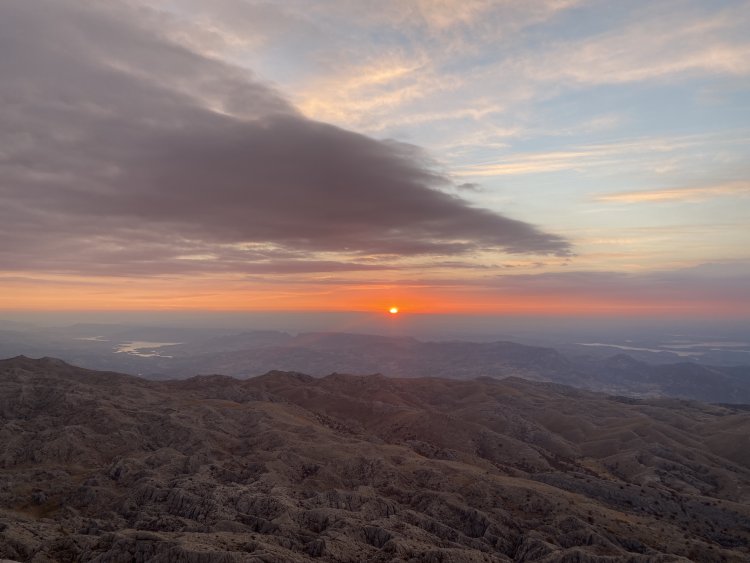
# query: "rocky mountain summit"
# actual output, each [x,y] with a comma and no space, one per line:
[99,466]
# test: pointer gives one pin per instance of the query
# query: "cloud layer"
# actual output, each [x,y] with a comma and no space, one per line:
[125,152]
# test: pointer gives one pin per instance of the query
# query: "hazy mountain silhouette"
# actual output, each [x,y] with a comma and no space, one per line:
[250,353]
[322,353]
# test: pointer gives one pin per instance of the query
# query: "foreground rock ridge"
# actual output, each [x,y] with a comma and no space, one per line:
[98,466]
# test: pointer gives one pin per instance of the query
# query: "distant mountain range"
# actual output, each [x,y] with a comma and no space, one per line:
[163,353]
[99,466]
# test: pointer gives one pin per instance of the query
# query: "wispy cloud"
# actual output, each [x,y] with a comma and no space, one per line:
[689,194]
[659,44]
[363,93]
[582,157]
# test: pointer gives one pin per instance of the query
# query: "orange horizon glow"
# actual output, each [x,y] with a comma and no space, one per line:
[196,296]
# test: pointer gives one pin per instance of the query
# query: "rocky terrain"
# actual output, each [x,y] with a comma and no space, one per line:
[99,466]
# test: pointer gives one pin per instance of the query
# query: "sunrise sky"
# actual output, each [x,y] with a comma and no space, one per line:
[477,157]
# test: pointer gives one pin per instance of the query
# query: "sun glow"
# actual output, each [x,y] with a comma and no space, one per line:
[393,310]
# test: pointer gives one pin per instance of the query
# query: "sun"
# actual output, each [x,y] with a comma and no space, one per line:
[393,310]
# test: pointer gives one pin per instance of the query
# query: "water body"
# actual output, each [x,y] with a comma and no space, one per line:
[712,345]
[143,348]
[682,353]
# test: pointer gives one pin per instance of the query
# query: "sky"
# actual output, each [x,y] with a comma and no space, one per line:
[537,157]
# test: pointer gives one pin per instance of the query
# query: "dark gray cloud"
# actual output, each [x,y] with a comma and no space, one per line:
[120,149]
